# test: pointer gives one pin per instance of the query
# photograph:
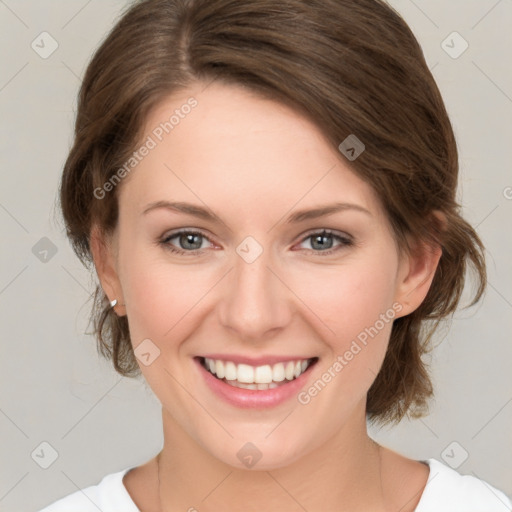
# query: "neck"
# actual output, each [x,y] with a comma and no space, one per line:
[342,474]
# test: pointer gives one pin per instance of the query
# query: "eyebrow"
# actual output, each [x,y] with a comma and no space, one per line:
[298,216]
[314,213]
[191,209]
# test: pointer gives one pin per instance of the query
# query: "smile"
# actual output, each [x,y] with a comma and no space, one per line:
[261,378]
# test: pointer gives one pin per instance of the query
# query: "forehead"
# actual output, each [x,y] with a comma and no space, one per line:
[228,145]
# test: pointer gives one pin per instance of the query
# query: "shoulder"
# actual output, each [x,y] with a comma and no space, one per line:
[109,495]
[449,491]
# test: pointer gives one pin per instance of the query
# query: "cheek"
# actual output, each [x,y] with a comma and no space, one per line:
[348,298]
[353,306]
[160,297]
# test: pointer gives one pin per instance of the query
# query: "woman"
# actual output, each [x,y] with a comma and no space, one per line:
[267,192]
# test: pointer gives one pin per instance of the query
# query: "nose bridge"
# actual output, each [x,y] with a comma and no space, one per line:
[255,300]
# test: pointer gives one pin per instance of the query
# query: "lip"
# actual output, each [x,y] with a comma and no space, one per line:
[254,399]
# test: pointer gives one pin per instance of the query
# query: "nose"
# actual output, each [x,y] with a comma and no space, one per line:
[256,303]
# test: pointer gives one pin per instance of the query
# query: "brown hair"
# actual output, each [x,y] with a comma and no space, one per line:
[353,67]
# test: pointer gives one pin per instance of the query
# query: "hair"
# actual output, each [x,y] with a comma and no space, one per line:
[352,67]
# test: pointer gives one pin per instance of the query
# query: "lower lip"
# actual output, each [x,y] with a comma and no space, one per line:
[251,398]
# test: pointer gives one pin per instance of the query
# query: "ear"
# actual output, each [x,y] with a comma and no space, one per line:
[104,253]
[416,271]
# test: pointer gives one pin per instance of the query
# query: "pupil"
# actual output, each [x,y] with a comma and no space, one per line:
[321,240]
[189,237]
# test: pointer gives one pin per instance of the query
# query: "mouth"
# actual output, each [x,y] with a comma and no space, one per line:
[257,378]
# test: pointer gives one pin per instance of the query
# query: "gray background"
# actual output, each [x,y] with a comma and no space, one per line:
[55,389]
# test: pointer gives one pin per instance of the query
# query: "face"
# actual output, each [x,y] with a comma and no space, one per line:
[250,282]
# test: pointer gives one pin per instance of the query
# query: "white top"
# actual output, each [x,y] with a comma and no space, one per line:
[446,491]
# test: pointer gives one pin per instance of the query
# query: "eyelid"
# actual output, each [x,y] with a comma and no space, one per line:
[181,231]
[328,231]
[345,240]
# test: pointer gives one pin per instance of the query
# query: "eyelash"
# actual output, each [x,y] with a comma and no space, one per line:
[346,241]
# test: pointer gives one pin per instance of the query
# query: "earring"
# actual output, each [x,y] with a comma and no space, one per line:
[113,303]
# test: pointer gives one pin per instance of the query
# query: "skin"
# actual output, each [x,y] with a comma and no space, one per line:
[253,162]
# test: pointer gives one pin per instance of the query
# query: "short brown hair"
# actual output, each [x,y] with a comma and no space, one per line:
[352,67]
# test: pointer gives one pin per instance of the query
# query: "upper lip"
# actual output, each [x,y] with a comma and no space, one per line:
[256,361]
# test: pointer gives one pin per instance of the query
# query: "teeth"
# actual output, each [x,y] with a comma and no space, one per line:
[260,387]
[263,374]
[256,377]
[245,373]
[289,370]
[230,371]
[278,372]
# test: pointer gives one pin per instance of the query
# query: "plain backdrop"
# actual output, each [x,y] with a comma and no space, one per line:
[57,391]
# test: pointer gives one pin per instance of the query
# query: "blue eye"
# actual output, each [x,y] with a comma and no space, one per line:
[323,241]
[191,242]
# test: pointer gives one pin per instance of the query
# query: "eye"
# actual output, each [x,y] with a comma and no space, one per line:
[190,242]
[322,242]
